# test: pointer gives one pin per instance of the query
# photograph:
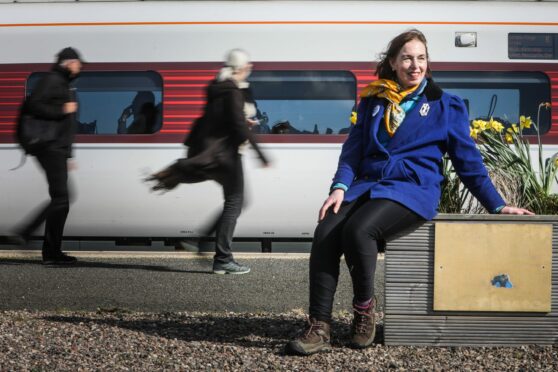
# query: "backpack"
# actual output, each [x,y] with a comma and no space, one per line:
[33,134]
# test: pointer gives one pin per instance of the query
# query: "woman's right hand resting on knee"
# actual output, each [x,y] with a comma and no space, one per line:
[335,199]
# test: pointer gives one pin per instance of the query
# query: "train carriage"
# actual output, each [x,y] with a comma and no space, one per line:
[311,59]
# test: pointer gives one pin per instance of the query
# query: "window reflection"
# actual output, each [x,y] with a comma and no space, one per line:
[116,102]
[303,102]
[503,96]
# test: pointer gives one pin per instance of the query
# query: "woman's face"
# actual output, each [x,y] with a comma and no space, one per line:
[243,73]
[410,64]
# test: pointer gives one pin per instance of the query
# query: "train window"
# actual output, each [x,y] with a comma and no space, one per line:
[124,102]
[532,46]
[501,95]
[303,102]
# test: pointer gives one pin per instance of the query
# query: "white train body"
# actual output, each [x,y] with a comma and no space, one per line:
[184,43]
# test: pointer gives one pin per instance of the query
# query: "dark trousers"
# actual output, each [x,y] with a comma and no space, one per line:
[354,231]
[54,164]
[231,178]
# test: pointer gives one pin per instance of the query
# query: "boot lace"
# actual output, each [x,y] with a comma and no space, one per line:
[314,326]
[362,322]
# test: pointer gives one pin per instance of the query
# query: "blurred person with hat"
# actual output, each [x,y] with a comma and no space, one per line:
[213,154]
[53,100]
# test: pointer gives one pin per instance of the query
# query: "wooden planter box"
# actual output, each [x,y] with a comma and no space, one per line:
[473,280]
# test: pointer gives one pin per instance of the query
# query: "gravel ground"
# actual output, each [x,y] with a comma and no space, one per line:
[116,340]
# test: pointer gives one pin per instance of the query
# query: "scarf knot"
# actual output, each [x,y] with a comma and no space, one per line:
[394,94]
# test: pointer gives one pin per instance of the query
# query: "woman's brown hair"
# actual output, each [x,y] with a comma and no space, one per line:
[383,69]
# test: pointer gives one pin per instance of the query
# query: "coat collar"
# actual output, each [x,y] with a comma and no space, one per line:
[432,91]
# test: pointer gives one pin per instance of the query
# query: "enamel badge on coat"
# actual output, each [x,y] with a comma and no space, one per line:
[424,109]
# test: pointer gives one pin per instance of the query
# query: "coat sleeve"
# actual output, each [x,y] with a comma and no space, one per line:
[240,127]
[41,101]
[467,159]
[351,152]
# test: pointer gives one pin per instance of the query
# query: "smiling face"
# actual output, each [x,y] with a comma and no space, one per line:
[410,64]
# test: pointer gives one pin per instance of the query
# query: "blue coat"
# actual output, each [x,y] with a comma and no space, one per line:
[408,170]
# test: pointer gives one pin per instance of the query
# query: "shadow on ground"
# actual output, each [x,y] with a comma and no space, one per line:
[245,330]
[105,265]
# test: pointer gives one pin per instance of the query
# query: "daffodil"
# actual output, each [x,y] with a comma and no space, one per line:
[480,125]
[525,122]
[492,123]
[497,126]
[509,138]
[513,129]
[474,132]
[353,117]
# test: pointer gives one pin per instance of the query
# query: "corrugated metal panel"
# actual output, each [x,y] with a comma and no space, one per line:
[409,289]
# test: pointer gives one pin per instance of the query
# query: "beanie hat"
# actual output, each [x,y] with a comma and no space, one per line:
[68,53]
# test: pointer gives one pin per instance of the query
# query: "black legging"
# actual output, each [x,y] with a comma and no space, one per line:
[354,231]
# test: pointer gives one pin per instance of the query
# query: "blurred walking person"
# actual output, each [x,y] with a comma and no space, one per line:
[53,101]
[213,146]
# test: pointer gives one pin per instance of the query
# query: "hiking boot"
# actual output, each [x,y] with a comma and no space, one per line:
[59,259]
[230,268]
[363,328]
[315,338]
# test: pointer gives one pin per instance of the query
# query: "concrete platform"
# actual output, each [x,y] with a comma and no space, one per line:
[159,282]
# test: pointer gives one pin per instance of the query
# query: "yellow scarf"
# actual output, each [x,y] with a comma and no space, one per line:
[393,93]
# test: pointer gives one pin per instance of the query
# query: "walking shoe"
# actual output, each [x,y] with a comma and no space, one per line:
[16,239]
[363,328]
[188,245]
[315,338]
[59,259]
[230,268]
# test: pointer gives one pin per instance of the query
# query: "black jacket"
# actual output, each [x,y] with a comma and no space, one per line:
[47,101]
[217,135]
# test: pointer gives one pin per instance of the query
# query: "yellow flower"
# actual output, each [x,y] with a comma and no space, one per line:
[509,137]
[525,122]
[353,117]
[474,132]
[494,125]
[480,125]
[514,129]
[497,126]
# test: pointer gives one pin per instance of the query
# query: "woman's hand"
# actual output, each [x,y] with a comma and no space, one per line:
[335,199]
[70,107]
[251,122]
[514,210]
[72,164]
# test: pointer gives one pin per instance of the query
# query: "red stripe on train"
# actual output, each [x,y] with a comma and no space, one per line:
[184,100]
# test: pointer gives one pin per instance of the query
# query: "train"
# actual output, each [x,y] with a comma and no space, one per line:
[311,59]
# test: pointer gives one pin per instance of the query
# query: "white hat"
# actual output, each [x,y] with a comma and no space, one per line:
[237,59]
